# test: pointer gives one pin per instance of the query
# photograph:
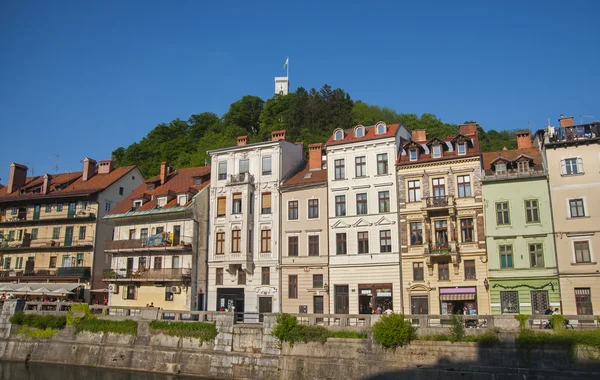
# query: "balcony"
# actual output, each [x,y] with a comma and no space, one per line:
[146,245]
[23,219]
[442,249]
[80,273]
[439,202]
[513,174]
[29,245]
[143,274]
[240,179]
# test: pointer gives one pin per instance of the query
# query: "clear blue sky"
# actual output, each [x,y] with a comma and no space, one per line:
[81,78]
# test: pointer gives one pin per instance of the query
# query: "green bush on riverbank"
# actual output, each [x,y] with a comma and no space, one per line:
[95,325]
[289,330]
[41,322]
[204,331]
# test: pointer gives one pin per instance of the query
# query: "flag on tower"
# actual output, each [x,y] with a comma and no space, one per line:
[287,61]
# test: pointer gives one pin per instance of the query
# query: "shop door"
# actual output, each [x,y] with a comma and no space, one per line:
[341,299]
[176,235]
[419,305]
[265,305]
[29,265]
[36,211]
[71,210]
[539,302]
[69,236]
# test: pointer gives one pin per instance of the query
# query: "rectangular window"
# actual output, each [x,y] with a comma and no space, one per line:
[443,271]
[382,163]
[221,206]
[509,302]
[219,276]
[292,210]
[144,235]
[523,166]
[464,186]
[577,209]
[244,166]
[59,207]
[82,231]
[539,301]
[313,245]
[340,169]
[439,187]
[384,201]
[49,207]
[502,215]
[441,233]
[340,244]
[532,213]
[416,233]
[571,166]
[470,270]
[437,151]
[462,148]
[266,165]
[11,234]
[265,278]
[466,230]
[121,190]
[168,293]
[419,305]
[361,204]
[317,281]
[265,203]
[265,241]
[129,293]
[363,242]
[293,286]
[582,251]
[236,205]
[500,168]
[583,301]
[292,245]
[142,263]
[340,205]
[53,261]
[506,256]
[222,170]
[360,166]
[241,277]
[56,233]
[13,211]
[418,272]
[385,241]
[414,154]
[414,191]
[536,255]
[7,263]
[132,234]
[236,241]
[34,234]
[158,262]
[220,246]
[175,262]
[107,206]
[160,230]
[313,208]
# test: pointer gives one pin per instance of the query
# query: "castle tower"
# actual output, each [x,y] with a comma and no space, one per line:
[282,85]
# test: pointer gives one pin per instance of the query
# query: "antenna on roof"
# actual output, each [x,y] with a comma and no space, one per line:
[56,166]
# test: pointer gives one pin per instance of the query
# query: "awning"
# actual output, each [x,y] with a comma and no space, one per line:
[40,288]
[99,290]
[457,297]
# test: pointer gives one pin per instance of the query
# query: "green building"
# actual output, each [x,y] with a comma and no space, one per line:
[522,270]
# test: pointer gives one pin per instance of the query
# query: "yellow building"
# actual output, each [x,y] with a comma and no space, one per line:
[442,234]
[573,161]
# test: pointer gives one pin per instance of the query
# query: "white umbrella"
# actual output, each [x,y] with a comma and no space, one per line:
[26,289]
[6,288]
[42,290]
[62,291]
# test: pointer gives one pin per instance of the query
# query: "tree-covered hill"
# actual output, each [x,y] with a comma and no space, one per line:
[307,116]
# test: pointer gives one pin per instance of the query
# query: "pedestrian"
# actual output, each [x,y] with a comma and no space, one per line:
[555,312]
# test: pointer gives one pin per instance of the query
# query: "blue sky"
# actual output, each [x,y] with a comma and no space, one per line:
[80,78]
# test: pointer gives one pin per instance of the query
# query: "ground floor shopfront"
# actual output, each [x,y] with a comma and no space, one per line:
[531,296]
[306,290]
[468,300]
[580,294]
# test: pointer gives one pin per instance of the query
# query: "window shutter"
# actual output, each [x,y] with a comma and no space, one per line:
[579,166]
[221,202]
[563,167]
[266,200]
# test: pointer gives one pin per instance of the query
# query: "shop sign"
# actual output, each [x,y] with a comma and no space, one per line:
[365,292]
[386,292]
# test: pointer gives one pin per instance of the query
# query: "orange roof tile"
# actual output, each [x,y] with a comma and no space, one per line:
[512,154]
[302,178]
[178,181]
[369,135]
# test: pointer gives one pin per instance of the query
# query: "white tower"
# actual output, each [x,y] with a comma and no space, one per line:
[282,85]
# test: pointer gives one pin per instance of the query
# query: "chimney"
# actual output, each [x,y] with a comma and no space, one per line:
[16,178]
[468,129]
[315,156]
[164,172]
[242,140]
[523,140]
[278,135]
[89,168]
[419,135]
[46,184]
[566,121]
[106,166]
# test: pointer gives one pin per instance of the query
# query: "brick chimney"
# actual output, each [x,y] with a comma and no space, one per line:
[89,168]
[278,135]
[46,184]
[419,135]
[16,177]
[164,172]
[468,129]
[566,121]
[242,140]
[315,156]
[523,140]
[106,166]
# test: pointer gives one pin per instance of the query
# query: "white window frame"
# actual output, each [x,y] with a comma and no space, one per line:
[359,132]
[161,201]
[578,166]
[381,129]
[240,165]
[338,135]
[221,173]
[181,199]
[410,154]
[270,160]
[433,153]
[462,145]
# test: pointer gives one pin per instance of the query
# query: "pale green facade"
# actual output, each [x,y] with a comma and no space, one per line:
[518,282]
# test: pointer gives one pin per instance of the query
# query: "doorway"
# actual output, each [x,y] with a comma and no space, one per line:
[69,236]
[265,305]
[341,299]
[36,211]
[71,210]
[176,235]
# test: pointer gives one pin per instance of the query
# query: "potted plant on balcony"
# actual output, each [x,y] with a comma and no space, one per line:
[52,243]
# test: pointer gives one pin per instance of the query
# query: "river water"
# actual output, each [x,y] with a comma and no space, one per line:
[22,371]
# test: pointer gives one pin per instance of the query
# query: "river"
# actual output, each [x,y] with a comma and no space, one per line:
[22,371]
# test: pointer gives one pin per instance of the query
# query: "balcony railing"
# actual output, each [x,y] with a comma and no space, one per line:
[143,274]
[514,173]
[146,244]
[240,179]
[25,218]
[73,272]
[443,201]
[43,244]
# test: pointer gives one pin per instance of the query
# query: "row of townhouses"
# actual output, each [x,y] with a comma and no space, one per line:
[378,218]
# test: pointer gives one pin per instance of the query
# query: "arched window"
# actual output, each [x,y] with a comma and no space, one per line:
[360,131]
[338,135]
[381,128]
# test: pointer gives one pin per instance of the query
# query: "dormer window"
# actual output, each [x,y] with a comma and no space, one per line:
[360,131]
[181,199]
[501,168]
[151,186]
[523,166]
[462,148]
[414,154]
[137,204]
[338,135]
[198,180]
[161,201]
[437,151]
[381,128]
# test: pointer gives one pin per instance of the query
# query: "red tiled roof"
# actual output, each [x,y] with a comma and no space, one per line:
[510,155]
[178,181]
[472,151]
[74,185]
[300,177]
[369,135]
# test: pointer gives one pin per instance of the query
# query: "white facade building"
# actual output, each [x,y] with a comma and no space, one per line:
[245,218]
[364,271]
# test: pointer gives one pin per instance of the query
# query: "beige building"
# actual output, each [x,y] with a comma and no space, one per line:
[159,245]
[304,232]
[50,225]
[572,154]
[444,263]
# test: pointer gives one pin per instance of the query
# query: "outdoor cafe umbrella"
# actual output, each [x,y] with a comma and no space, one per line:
[62,291]
[6,288]
[24,289]
[42,290]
